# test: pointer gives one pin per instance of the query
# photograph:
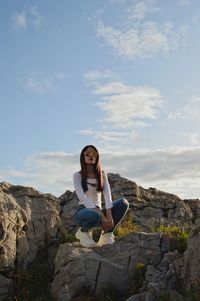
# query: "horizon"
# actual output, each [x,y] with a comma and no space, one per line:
[122,75]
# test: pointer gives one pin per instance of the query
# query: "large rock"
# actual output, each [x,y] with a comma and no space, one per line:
[28,222]
[6,287]
[80,269]
[143,264]
[69,203]
[151,207]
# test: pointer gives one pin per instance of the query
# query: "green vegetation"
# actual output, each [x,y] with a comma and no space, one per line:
[139,276]
[179,237]
[127,226]
[65,236]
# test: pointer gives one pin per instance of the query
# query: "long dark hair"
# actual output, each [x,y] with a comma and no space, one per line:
[97,170]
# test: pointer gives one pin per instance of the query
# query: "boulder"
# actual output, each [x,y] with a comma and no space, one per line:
[29,220]
[96,270]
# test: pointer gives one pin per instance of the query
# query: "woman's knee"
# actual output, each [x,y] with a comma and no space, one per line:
[122,203]
[87,215]
[94,218]
[125,202]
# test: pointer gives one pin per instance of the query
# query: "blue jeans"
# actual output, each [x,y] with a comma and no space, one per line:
[88,218]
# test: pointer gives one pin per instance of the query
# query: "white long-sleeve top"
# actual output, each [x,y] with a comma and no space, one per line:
[92,198]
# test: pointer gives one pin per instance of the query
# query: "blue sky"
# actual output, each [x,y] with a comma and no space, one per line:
[120,74]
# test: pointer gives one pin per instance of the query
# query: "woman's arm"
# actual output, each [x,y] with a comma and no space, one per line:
[80,193]
[108,201]
[107,192]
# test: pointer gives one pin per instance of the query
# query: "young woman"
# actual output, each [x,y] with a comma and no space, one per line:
[89,183]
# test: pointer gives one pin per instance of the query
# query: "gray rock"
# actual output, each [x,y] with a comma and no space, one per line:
[28,222]
[78,269]
[6,287]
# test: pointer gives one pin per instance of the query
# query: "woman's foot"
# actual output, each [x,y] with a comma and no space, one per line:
[106,239]
[85,239]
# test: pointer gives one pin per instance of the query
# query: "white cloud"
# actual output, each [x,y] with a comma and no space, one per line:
[35,18]
[97,75]
[104,136]
[19,20]
[185,2]
[141,9]
[195,19]
[144,41]
[124,105]
[194,138]
[174,170]
[38,86]
[41,85]
[48,172]
[124,109]
[26,18]
[190,111]
[137,36]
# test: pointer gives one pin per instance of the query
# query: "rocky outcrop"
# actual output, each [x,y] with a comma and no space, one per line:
[117,266]
[140,266]
[151,207]
[28,222]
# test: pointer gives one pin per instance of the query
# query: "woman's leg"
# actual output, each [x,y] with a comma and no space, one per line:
[119,210]
[87,219]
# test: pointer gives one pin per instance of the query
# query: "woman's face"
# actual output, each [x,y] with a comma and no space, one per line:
[90,155]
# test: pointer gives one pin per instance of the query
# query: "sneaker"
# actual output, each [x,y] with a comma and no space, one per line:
[106,239]
[85,239]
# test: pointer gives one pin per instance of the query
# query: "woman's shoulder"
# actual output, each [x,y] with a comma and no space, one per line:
[104,173]
[77,174]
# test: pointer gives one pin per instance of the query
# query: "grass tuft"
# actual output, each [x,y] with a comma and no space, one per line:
[126,226]
[179,237]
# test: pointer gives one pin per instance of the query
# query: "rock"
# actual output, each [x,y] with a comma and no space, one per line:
[78,269]
[187,268]
[6,288]
[142,266]
[195,208]
[69,203]
[28,222]
[151,208]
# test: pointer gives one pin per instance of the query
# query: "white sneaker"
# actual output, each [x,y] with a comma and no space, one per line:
[85,239]
[106,239]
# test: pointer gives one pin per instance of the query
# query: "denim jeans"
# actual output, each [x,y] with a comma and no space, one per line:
[88,218]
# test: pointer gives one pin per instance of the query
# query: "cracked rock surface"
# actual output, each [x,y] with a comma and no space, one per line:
[29,220]
[78,269]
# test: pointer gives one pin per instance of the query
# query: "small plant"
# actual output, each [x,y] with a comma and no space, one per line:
[66,236]
[179,237]
[127,226]
[140,266]
[139,275]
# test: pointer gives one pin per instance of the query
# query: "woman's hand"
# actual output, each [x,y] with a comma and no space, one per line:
[107,223]
[110,223]
[106,220]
